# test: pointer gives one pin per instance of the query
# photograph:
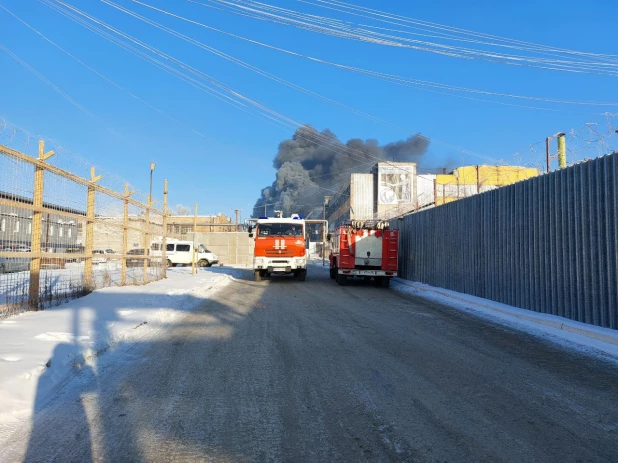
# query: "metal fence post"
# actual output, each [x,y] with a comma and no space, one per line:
[164,245]
[37,226]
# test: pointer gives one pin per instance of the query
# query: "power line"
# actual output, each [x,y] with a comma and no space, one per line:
[329,26]
[229,95]
[54,87]
[399,80]
[99,74]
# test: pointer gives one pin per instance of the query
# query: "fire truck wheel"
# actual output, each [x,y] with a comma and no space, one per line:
[385,283]
[302,274]
[342,280]
[333,273]
[257,275]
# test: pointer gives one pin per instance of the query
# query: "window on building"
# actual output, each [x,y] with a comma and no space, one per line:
[60,230]
[176,229]
[69,232]
[16,227]
[51,230]
[30,228]
[155,246]
[3,225]
[186,230]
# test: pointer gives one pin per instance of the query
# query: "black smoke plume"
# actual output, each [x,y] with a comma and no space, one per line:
[313,164]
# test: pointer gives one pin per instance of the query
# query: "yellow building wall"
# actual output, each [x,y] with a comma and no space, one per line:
[467,181]
[488,175]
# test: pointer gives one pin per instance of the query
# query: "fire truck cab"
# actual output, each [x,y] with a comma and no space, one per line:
[279,247]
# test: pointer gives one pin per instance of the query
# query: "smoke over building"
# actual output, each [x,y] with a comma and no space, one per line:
[312,164]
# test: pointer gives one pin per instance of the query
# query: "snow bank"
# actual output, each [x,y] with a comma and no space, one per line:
[77,332]
[593,340]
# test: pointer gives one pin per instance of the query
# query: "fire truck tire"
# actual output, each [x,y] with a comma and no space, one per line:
[385,283]
[302,275]
[333,273]
[342,280]
[257,275]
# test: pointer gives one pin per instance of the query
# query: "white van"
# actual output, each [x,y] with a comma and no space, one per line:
[178,252]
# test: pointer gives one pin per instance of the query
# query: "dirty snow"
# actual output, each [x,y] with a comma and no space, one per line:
[593,340]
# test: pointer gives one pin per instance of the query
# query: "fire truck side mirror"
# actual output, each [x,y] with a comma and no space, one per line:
[328,237]
[250,230]
[250,235]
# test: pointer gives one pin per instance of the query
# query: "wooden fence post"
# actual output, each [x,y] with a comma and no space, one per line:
[88,280]
[194,251]
[37,227]
[125,234]
[147,239]
[164,244]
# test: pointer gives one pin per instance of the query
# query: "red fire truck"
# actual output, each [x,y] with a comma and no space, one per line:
[365,249]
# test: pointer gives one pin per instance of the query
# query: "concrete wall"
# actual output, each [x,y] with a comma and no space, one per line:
[231,248]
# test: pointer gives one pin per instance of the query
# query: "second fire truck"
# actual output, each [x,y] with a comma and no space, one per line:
[367,249]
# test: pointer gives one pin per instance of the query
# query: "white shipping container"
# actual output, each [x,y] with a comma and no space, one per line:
[425,190]
[361,196]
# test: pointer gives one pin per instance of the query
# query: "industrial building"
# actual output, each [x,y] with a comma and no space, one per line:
[178,225]
[471,180]
[58,232]
[394,189]
[390,189]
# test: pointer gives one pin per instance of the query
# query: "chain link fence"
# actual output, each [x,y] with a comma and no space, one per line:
[62,235]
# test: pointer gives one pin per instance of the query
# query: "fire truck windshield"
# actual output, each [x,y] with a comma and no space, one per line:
[279,229]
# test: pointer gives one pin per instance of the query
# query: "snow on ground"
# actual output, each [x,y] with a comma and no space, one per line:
[593,340]
[76,332]
[14,286]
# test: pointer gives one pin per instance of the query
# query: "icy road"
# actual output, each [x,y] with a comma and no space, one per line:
[287,371]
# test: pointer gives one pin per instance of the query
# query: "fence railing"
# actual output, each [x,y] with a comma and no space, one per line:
[548,244]
[61,236]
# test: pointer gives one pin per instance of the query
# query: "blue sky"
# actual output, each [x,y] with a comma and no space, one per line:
[226,167]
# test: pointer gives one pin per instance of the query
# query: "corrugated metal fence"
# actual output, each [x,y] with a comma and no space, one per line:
[548,244]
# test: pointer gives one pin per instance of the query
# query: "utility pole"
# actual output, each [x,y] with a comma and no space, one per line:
[152,168]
